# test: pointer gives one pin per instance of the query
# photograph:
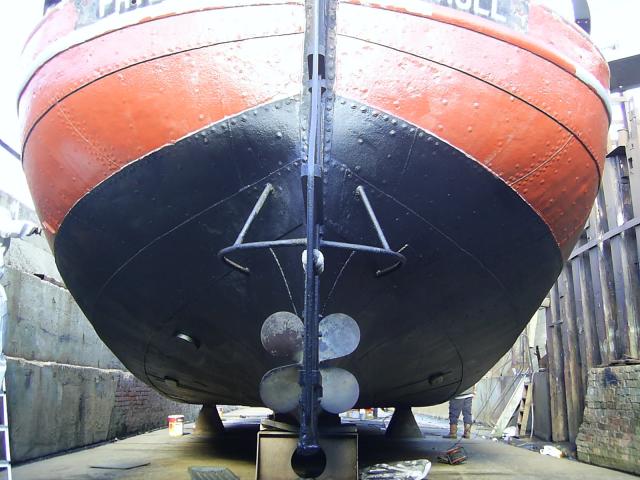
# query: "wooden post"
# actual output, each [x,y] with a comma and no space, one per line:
[556,370]
[629,260]
[590,354]
[580,314]
[602,269]
[605,353]
[618,204]
[570,345]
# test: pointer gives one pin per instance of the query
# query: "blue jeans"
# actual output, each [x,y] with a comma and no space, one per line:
[460,405]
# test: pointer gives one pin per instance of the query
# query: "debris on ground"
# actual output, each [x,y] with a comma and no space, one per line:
[453,456]
[509,432]
[119,465]
[552,451]
[211,473]
[407,470]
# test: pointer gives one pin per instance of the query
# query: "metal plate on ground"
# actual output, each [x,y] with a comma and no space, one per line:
[211,473]
[120,465]
[408,470]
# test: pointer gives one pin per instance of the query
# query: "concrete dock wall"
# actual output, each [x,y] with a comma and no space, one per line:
[65,388]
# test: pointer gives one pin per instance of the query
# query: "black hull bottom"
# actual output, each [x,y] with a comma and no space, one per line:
[139,255]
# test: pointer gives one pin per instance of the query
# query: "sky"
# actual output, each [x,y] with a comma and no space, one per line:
[614,30]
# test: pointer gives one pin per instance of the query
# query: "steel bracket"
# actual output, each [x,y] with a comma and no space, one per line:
[239,244]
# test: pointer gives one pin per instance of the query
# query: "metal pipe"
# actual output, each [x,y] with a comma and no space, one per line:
[302,242]
[363,248]
[256,209]
[365,200]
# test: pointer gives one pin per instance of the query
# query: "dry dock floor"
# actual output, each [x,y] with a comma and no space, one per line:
[169,458]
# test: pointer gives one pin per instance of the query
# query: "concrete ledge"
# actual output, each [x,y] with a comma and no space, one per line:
[46,324]
[55,407]
[27,256]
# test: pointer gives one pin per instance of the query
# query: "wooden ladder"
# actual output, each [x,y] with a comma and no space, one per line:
[4,431]
[525,409]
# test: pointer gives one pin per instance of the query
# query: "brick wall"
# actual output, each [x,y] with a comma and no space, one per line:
[56,407]
[138,408]
[610,432]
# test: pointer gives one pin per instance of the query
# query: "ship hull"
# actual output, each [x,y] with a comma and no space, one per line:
[146,164]
[450,312]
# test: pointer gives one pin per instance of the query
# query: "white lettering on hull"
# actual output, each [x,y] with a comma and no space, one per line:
[513,13]
[108,7]
[510,12]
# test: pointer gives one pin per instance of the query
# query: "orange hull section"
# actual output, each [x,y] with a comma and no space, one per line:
[511,101]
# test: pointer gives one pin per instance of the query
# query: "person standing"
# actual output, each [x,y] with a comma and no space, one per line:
[461,403]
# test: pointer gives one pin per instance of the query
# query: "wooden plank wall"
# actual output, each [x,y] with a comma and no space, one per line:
[595,304]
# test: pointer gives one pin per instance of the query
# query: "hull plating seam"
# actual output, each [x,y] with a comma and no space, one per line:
[174,209]
[512,37]
[498,87]
[133,65]
[120,22]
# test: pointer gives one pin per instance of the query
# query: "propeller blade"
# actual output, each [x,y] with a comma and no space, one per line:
[340,390]
[280,390]
[339,336]
[282,335]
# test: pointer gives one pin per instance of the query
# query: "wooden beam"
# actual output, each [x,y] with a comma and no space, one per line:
[580,314]
[618,207]
[557,397]
[570,345]
[602,270]
[583,285]
[629,258]
[598,303]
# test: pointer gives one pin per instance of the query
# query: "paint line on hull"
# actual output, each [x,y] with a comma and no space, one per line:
[433,106]
[431,225]
[122,21]
[135,64]
[137,311]
[475,77]
[149,121]
[192,218]
[504,34]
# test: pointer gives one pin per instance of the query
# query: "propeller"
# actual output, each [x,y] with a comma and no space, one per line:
[282,335]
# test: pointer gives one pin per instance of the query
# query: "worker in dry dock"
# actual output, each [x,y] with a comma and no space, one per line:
[461,403]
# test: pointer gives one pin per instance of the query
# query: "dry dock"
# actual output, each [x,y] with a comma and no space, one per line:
[169,458]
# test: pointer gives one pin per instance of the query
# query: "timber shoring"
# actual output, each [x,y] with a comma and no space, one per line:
[593,316]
